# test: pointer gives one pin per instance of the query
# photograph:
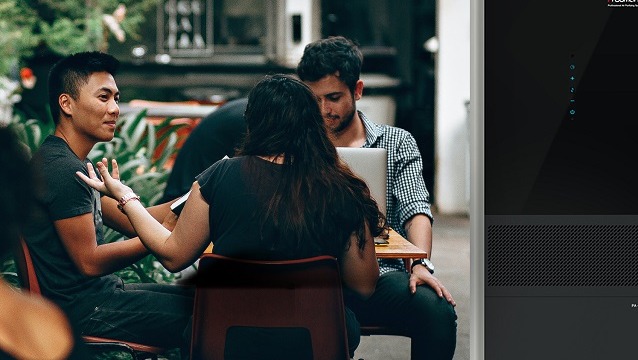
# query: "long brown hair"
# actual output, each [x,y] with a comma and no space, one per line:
[318,197]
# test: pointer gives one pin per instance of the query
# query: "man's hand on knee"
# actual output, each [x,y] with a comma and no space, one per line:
[421,276]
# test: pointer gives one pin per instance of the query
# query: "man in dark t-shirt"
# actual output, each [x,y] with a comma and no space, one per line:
[216,136]
[64,196]
[73,264]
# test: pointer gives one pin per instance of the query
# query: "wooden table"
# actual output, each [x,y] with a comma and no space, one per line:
[397,248]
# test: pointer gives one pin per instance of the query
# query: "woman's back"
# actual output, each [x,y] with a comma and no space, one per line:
[238,191]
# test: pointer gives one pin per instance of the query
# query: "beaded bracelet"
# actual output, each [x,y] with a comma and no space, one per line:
[125,199]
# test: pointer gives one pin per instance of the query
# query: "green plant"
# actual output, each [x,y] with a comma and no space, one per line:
[134,147]
[17,24]
[58,27]
[31,132]
[64,27]
[82,25]
[9,272]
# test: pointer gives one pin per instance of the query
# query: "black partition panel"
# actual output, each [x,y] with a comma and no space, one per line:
[560,164]
[561,89]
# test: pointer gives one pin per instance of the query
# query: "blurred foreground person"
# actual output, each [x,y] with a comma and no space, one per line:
[30,326]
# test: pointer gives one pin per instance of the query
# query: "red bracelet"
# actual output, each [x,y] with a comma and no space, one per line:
[125,199]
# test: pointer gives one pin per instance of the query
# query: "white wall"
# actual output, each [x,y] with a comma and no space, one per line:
[452,91]
[310,27]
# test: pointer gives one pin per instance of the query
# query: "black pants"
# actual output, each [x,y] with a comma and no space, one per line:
[150,314]
[430,321]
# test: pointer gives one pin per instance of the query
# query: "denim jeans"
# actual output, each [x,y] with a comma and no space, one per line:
[430,321]
[150,314]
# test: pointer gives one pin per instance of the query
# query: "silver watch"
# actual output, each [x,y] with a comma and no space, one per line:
[425,262]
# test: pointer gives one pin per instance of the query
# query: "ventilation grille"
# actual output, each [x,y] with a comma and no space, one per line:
[562,255]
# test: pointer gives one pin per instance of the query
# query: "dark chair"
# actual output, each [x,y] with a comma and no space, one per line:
[29,281]
[248,309]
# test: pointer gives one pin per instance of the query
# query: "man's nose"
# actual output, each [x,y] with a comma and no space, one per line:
[325,107]
[114,108]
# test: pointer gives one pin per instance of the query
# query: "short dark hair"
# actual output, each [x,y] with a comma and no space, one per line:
[70,73]
[335,54]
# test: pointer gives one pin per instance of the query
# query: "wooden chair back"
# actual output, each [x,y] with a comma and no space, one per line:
[269,309]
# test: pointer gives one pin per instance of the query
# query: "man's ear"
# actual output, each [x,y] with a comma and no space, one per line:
[358,90]
[65,104]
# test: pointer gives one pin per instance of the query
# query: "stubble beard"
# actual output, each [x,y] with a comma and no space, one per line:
[344,124]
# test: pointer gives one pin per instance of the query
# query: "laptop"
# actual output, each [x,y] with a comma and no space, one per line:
[370,164]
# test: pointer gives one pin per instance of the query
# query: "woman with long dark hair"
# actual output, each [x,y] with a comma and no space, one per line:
[286,196]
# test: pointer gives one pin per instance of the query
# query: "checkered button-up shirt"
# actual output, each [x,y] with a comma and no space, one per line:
[407,194]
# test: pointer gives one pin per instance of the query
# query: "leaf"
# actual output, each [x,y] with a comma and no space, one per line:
[170,129]
[151,142]
[144,177]
[131,122]
[154,200]
[136,134]
[131,166]
[144,277]
[169,149]
[36,133]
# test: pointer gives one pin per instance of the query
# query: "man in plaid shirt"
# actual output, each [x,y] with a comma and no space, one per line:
[416,303]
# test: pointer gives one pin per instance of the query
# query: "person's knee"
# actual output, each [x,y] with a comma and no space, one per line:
[429,308]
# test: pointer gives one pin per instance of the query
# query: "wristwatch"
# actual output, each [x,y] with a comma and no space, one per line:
[425,262]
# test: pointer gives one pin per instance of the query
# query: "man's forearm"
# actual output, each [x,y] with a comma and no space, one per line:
[419,230]
[118,221]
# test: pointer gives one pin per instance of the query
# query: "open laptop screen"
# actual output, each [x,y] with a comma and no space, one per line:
[370,164]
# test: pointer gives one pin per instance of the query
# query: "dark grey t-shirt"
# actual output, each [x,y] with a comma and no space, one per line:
[64,195]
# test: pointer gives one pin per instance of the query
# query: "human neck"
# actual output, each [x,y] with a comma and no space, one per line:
[277,159]
[352,136]
[80,146]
